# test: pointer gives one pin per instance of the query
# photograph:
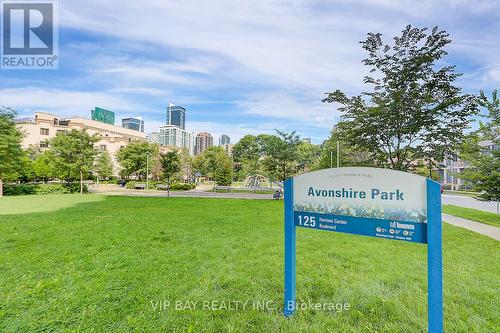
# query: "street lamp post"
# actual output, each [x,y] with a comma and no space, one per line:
[147,171]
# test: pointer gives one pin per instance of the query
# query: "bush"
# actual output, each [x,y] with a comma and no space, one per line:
[173,186]
[29,189]
[181,186]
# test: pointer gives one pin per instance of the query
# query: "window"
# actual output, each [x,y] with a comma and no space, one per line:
[102,147]
[44,131]
[44,144]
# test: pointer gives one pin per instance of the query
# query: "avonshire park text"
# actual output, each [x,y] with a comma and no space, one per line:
[353,194]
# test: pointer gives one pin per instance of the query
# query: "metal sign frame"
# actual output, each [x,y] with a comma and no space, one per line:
[434,254]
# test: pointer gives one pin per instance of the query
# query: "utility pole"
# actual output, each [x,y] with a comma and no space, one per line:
[232,170]
[338,154]
[147,171]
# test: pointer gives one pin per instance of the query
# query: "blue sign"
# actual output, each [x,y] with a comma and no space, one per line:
[369,202]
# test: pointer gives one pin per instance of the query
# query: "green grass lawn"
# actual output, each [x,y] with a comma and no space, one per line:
[473,214]
[103,266]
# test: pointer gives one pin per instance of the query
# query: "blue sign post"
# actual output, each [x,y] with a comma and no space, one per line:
[370,202]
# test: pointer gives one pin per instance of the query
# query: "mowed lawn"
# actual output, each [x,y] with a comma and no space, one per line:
[105,266]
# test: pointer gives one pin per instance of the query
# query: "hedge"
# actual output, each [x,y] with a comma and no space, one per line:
[152,185]
[27,189]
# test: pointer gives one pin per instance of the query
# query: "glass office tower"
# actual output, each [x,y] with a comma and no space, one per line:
[176,116]
[136,124]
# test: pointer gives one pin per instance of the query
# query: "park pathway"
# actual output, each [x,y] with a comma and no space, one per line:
[480,228]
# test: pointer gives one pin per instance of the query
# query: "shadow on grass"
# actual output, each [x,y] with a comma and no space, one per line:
[43,203]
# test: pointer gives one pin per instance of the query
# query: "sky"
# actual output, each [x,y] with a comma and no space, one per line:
[239,67]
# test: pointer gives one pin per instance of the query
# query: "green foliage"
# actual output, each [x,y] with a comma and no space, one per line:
[103,166]
[490,130]
[215,164]
[186,162]
[174,186]
[308,156]
[246,155]
[10,144]
[484,170]
[350,156]
[280,154]
[182,186]
[44,166]
[29,189]
[74,153]
[170,164]
[133,158]
[414,112]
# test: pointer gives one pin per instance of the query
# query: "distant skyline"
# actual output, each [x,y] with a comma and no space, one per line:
[237,67]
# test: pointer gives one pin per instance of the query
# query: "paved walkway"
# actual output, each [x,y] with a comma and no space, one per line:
[196,193]
[468,202]
[480,228]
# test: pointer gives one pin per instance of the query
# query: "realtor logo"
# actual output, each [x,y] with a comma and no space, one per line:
[29,35]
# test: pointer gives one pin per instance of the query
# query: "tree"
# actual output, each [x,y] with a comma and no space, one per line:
[349,156]
[44,165]
[171,165]
[307,156]
[186,162]
[215,164]
[281,154]
[74,153]
[484,171]
[103,166]
[133,158]
[490,130]
[414,112]
[10,144]
[246,155]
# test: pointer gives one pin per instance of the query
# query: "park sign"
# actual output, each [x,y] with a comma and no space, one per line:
[371,202]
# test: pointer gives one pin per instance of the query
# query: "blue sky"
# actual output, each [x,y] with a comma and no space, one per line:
[239,67]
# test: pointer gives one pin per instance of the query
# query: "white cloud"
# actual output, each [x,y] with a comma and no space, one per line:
[61,102]
[283,106]
[273,59]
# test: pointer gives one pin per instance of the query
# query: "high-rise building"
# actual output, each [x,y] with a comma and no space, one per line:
[103,115]
[204,140]
[224,140]
[173,136]
[228,148]
[176,116]
[136,124]
[153,137]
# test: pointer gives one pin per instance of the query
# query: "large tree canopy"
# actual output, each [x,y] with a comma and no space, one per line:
[11,152]
[74,153]
[484,164]
[134,157]
[415,112]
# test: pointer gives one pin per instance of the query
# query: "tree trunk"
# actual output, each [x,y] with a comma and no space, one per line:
[81,182]
[1,187]
[168,187]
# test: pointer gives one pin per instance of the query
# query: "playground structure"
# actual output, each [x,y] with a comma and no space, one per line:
[257,181]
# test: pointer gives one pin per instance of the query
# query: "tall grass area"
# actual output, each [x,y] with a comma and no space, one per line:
[103,267]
